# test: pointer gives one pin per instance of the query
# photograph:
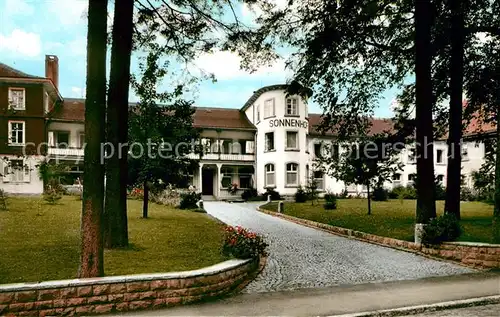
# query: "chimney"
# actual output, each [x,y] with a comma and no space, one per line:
[52,69]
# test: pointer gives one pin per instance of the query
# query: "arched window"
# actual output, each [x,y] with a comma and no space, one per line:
[270,175]
[292,174]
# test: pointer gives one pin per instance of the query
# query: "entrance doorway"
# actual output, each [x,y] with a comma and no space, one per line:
[207,182]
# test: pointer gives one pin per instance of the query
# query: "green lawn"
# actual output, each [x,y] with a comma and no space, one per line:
[41,242]
[393,218]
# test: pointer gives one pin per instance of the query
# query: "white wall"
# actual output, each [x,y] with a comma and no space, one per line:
[280,157]
[74,129]
[32,183]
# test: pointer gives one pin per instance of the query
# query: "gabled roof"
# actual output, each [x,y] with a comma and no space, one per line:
[222,118]
[72,110]
[7,71]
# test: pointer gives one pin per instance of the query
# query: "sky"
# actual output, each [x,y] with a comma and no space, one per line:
[31,29]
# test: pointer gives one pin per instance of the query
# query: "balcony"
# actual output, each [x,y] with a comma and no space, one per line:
[223,157]
[65,153]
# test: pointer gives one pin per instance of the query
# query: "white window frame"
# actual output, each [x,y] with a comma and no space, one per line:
[296,140]
[11,142]
[269,108]
[292,106]
[11,104]
[268,170]
[319,180]
[266,148]
[8,173]
[81,140]
[258,113]
[296,171]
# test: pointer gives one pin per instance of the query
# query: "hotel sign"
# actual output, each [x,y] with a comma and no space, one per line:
[294,123]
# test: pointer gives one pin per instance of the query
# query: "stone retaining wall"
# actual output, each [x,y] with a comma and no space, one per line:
[478,255]
[124,293]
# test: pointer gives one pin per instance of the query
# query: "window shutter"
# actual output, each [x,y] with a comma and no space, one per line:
[249,147]
[5,171]
[51,138]
[27,172]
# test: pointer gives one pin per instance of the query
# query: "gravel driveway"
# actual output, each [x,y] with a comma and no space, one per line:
[302,257]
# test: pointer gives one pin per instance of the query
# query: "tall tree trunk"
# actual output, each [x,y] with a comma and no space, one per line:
[496,210]
[92,255]
[145,202]
[453,179]
[426,205]
[369,199]
[117,126]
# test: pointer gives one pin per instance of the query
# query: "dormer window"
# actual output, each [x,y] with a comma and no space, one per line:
[17,100]
[292,107]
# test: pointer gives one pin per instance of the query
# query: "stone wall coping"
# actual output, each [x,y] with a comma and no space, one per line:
[207,271]
[474,244]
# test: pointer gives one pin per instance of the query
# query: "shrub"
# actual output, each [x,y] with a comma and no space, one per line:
[344,194]
[274,194]
[400,192]
[51,195]
[233,189]
[379,194]
[440,192]
[301,195]
[243,244]
[137,193]
[249,194]
[330,201]
[440,229]
[189,200]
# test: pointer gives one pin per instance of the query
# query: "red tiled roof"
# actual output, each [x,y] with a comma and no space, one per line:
[71,110]
[377,125]
[7,71]
[221,118]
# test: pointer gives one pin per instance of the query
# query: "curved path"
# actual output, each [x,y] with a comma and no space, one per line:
[302,257]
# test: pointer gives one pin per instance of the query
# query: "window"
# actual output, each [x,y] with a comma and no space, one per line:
[319,179]
[17,99]
[258,113]
[81,140]
[439,156]
[292,107]
[269,141]
[440,178]
[16,171]
[16,133]
[46,103]
[245,181]
[317,149]
[335,151]
[270,175]
[227,177]
[292,174]
[412,178]
[291,140]
[396,180]
[465,152]
[62,139]
[412,155]
[269,108]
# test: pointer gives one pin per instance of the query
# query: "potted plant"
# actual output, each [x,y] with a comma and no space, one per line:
[233,188]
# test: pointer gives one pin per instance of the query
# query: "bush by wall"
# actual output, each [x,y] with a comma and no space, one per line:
[274,194]
[243,244]
[300,195]
[379,194]
[189,200]
[441,229]
[249,194]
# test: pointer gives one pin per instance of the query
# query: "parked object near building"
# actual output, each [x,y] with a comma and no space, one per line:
[271,142]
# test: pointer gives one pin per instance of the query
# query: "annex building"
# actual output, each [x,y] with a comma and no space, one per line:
[270,141]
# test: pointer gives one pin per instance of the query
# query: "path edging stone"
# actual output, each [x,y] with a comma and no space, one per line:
[475,255]
[413,310]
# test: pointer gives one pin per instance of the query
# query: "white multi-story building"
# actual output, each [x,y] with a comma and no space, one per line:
[270,142]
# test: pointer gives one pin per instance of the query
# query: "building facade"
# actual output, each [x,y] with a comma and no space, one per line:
[272,141]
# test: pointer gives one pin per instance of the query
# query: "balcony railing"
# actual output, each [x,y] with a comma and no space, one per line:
[65,152]
[223,157]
